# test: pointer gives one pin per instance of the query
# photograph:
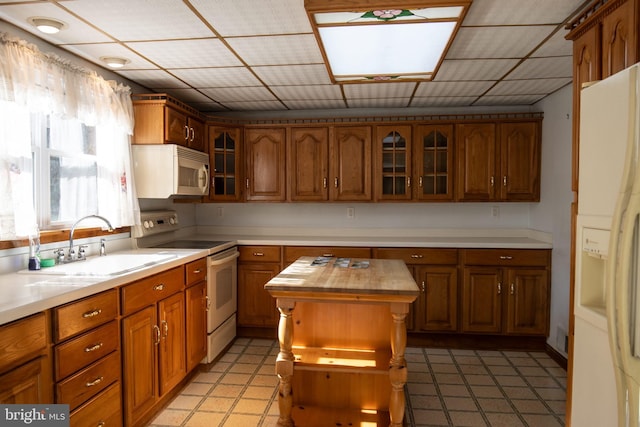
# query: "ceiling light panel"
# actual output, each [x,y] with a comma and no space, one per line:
[497,42]
[282,75]
[201,53]
[142,20]
[218,77]
[277,50]
[250,17]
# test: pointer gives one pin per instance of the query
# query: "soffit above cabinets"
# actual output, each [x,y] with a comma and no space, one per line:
[247,55]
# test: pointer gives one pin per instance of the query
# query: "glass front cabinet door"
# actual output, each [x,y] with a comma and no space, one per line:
[393,163]
[433,155]
[224,156]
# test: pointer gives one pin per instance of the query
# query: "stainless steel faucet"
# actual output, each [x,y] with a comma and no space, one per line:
[71,256]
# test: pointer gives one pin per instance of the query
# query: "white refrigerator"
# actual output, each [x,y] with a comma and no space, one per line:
[606,354]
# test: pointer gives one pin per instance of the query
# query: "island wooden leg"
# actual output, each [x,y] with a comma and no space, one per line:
[284,362]
[398,364]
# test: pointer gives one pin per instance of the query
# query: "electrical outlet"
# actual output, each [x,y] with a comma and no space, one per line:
[495,211]
[219,211]
[351,213]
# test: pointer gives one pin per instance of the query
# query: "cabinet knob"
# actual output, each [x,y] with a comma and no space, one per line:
[159,287]
[499,288]
[423,286]
[512,290]
[335,182]
[491,181]
[408,181]
[324,182]
[420,181]
[504,180]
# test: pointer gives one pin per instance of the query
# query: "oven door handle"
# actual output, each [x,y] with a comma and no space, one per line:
[221,261]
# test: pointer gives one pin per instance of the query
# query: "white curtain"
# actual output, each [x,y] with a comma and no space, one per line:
[35,82]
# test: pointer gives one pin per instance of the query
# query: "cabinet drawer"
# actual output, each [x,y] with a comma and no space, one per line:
[151,290]
[85,349]
[259,253]
[90,381]
[292,253]
[22,340]
[196,271]
[105,409]
[506,257]
[419,255]
[80,316]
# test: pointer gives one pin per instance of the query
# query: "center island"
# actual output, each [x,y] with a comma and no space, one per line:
[341,359]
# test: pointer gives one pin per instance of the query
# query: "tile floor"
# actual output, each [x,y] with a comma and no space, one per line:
[445,388]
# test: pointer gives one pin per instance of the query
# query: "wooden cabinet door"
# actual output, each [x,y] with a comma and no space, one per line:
[172,355]
[265,172]
[476,144]
[225,158]
[433,162]
[520,161]
[140,338]
[350,168]
[196,138]
[438,300]
[619,39]
[482,300]
[309,164]
[28,384]
[196,335]
[176,130]
[256,307]
[393,162]
[528,301]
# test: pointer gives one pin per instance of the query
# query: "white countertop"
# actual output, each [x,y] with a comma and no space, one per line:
[23,294]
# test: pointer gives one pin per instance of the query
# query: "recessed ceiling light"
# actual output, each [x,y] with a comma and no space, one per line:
[114,62]
[375,42]
[47,25]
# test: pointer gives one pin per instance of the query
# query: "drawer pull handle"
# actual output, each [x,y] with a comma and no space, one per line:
[95,382]
[328,255]
[198,271]
[156,329]
[258,254]
[512,290]
[92,313]
[499,288]
[101,424]
[423,289]
[416,256]
[159,287]
[506,257]
[93,348]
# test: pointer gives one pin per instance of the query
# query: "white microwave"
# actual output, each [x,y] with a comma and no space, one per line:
[164,170]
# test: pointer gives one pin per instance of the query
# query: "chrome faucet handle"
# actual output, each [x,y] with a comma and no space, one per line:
[81,252]
[59,255]
[71,256]
[103,247]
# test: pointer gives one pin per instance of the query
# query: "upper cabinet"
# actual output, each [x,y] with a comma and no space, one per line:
[308,162]
[393,162]
[351,164]
[225,158]
[160,119]
[499,161]
[433,162]
[265,164]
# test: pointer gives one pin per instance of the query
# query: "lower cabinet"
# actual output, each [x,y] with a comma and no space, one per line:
[256,266]
[196,303]
[505,291]
[153,340]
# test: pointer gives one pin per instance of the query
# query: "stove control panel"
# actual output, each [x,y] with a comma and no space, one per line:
[156,222]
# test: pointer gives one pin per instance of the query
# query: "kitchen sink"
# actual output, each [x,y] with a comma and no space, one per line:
[110,265]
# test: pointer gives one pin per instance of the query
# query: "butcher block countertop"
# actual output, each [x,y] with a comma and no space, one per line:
[345,279]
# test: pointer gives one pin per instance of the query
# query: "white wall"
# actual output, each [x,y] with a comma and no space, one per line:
[553,213]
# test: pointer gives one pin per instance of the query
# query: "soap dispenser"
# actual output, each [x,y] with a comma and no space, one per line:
[34,249]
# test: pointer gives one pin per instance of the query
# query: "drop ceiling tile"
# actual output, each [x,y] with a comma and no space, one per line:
[442,101]
[557,45]
[479,69]
[528,87]
[217,77]
[187,95]
[282,75]
[451,89]
[519,12]
[77,31]
[255,106]
[497,42]
[250,17]
[539,68]
[128,20]
[93,52]
[307,92]
[153,79]
[379,90]
[277,50]
[187,53]
[315,104]
[509,100]
[378,102]
[208,107]
[239,94]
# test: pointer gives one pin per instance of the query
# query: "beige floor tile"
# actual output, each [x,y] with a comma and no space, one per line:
[171,417]
[467,419]
[205,419]
[237,420]
[441,351]
[533,371]
[486,391]
[419,377]
[231,378]
[468,360]
[427,389]
[229,357]
[495,361]
[431,418]
[185,402]
[543,382]
[197,389]
[449,378]
[558,406]
[541,420]
[504,420]
[551,393]
[462,352]
[510,380]
[455,390]
[220,366]
[227,390]
[265,380]
[473,369]
[460,403]
[207,377]
[519,393]
[447,368]
[250,406]
[217,404]
[440,358]
[425,402]
[255,392]
[480,380]
[250,358]
[495,405]
[502,370]
[529,406]
[523,361]
[243,368]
